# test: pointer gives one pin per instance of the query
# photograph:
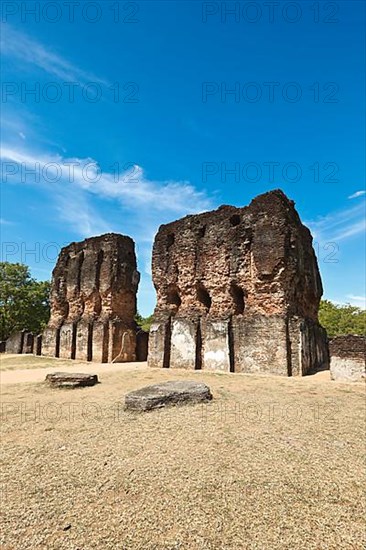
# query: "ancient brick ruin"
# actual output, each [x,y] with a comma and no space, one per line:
[20,342]
[347,358]
[238,290]
[93,301]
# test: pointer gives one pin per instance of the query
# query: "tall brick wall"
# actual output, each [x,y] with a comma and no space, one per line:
[93,301]
[238,289]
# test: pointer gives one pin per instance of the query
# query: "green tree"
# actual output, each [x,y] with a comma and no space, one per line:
[24,302]
[144,322]
[340,320]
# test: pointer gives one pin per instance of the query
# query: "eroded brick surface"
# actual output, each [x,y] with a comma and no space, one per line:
[238,289]
[93,301]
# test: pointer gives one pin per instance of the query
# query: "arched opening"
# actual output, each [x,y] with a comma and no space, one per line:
[170,240]
[238,297]
[235,220]
[204,297]
[173,297]
[202,231]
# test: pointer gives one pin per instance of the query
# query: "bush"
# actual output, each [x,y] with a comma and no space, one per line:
[341,320]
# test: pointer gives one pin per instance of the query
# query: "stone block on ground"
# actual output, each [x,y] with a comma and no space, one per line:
[167,393]
[71,379]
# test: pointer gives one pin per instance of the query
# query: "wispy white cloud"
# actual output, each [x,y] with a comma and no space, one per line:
[144,203]
[74,210]
[5,222]
[131,188]
[340,225]
[357,194]
[28,51]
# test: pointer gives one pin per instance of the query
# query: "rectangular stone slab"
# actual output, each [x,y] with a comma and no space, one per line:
[183,344]
[167,393]
[260,344]
[83,343]
[215,345]
[159,344]
[67,341]
[50,342]
[71,379]
[100,342]
[14,343]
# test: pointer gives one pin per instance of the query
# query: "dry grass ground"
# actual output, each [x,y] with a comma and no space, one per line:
[17,362]
[270,463]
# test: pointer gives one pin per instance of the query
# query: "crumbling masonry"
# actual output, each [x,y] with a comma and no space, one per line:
[238,290]
[93,301]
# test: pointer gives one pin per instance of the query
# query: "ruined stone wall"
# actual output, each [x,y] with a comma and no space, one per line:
[347,358]
[238,289]
[15,342]
[18,342]
[93,301]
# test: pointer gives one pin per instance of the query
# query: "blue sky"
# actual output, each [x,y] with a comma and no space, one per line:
[161,109]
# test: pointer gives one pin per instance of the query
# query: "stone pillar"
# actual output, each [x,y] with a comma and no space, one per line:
[14,343]
[28,343]
[67,341]
[100,342]
[51,342]
[83,344]
[183,351]
[159,344]
[216,344]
